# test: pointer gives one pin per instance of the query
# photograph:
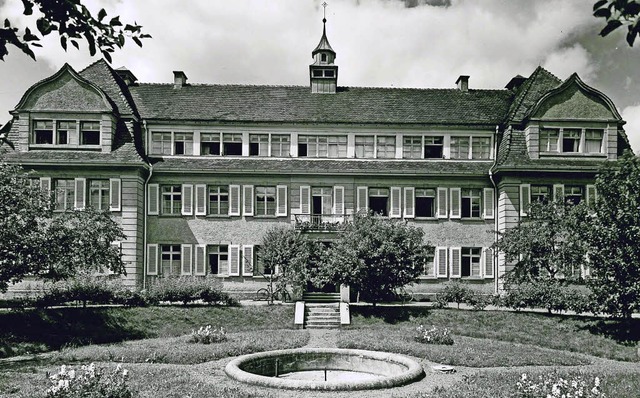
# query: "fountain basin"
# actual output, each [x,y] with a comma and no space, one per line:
[304,369]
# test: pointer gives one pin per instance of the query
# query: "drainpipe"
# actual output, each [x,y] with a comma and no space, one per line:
[145,211]
[495,216]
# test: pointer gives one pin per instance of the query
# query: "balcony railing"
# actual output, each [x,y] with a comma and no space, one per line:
[319,222]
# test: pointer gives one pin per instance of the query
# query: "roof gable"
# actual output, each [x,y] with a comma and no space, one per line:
[528,94]
[109,81]
[66,90]
[574,100]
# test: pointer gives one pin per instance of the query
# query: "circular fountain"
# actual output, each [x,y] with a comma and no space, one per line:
[325,369]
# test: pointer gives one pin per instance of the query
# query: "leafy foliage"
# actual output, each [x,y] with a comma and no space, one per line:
[186,289]
[74,23]
[433,335]
[375,255]
[208,334]
[551,294]
[612,234]
[90,382]
[619,13]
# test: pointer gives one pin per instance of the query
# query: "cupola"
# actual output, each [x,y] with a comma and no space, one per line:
[323,73]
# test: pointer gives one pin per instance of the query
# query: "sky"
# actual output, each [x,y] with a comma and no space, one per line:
[381,43]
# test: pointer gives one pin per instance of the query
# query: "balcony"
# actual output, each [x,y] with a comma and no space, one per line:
[319,222]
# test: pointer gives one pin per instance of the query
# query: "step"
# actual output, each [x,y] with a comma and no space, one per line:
[324,316]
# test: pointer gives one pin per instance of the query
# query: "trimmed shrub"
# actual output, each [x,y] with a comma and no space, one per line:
[550,294]
[454,292]
[186,290]
[479,301]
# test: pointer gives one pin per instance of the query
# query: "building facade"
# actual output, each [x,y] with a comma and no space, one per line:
[196,174]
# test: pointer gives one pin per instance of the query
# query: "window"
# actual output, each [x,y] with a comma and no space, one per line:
[471,257]
[317,73]
[218,259]
[232,144]
[321,202]
[183,144]
[65,194]
[161,143]
[549,140]
[433,147]
[171,259]
[218,200]
[99,194]
[259,145]
[323,57]
[280,145]
[412,147]
[64,131]
[593,141]
[379,201]
[385,147]
[329,73]
[459,147]
[573,194]
[265,201]
[43,131]
[171,199]
[364,146]
[425,202]
[322,146]
[481,148]
[429,265]
[209,144]
[471,203]
[90,133]
[540,193]
[261,267]
[571,140]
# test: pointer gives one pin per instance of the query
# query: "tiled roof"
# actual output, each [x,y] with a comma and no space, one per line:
[537,85]
[296,104]
[125,154]
[103,76]
[322,166]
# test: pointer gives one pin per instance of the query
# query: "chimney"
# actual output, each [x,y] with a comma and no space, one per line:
[127,76]
[463,83]
[179,79]
[515,82]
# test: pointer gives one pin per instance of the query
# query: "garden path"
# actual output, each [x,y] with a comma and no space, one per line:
[322,338]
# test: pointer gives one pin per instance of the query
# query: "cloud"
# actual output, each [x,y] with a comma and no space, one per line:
[566,61]
[632,115]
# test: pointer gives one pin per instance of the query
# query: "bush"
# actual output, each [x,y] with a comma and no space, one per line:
[454,292]
[550,294]
[208,335]
[84,288]
[433,335]
[89,382]
[480,301]
[553,385]
[187,289]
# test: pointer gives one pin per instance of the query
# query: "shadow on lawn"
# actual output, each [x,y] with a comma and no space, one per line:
[44,330]
[622,331]
[392,315]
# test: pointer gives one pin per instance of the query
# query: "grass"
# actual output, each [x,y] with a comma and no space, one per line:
[600,337]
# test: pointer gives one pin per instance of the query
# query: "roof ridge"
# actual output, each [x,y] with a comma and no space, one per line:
[501,90]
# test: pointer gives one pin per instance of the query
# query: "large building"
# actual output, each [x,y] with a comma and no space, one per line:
[196,173]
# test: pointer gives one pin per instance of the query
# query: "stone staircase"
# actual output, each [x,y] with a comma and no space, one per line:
[321,310]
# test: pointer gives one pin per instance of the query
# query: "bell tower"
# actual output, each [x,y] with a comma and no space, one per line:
[322,72]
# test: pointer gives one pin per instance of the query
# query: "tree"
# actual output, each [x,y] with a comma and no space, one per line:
[376,255]
[544,245]
[612,235]
[74,23]
[36,241]
[618,13]
[290,258]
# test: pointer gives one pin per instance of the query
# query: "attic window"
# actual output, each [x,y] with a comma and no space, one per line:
[90,133]
[323,57]
[43,131]
[210,144]
[593,141]
[329,73]
[317,73]
[232,144]
[64,131]
[183,144]
[571,140]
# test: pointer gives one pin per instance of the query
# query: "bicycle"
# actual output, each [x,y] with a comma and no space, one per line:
[270,295]
[404,294]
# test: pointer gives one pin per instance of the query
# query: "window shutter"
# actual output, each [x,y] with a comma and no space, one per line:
[441,262]
[234,260]
[247,197]
[488,203]
[281,201]
[154,199]
[487,257]
[152,259]
[247,263]
[558,192]
[201,199]
[434,265]
[396,198]
[443,212]
[455,203]
[592,195]
[234,200]
[455,255]
[187,199]
[115,193]
[409,202]
[338,200]
[362,199]
[201,251]
[80,190]
[186,260]
[223,268]
[525,199]
[305,199]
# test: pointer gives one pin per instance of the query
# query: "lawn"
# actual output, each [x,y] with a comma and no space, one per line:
[491,349]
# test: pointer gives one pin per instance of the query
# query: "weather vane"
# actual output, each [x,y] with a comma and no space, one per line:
[324,11]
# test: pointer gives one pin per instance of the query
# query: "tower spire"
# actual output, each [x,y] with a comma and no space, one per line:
[323,72]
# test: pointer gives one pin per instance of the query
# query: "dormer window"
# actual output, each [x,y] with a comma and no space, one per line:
[593,141]
[43,131]
[329,73]
[90,133]
[549,140]
[323,57]
[64,131]
[571,140]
